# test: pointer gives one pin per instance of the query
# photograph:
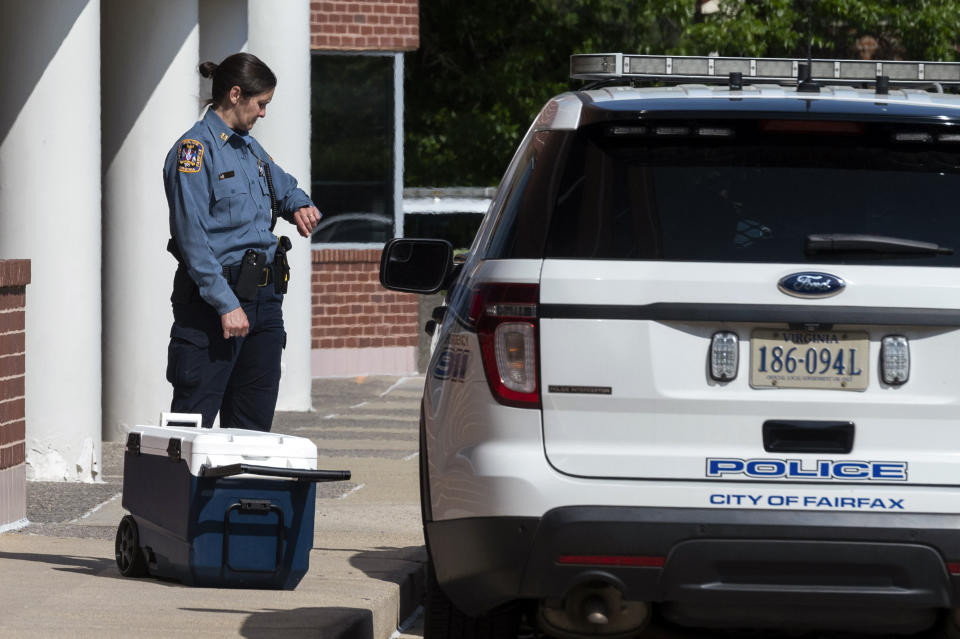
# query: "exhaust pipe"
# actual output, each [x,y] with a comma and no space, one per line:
[596,608]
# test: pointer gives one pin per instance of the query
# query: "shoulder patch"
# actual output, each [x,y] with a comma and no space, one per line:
[189,156]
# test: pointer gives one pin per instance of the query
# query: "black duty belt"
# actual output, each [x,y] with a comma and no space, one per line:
[266,275]
[245,278]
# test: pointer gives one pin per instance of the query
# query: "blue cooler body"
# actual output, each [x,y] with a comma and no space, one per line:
[222,507]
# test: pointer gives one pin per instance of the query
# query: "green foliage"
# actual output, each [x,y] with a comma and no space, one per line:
[484,69]
[902,29]
[745,28]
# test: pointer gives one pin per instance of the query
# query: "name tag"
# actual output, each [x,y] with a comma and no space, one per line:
[226,174]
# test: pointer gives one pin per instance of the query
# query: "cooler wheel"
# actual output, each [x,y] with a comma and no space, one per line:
[130,558]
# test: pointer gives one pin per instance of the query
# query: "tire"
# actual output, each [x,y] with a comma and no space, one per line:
[443,620]
[948,628]
[130,559]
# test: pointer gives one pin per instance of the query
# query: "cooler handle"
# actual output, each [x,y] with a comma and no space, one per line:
[300,474]
[181,420]
[253,507]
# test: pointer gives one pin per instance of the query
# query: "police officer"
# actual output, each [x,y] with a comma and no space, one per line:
[224,193]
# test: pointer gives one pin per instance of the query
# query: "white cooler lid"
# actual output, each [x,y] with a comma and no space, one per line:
[224,446]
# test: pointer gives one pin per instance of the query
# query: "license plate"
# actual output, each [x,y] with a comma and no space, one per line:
[837,360]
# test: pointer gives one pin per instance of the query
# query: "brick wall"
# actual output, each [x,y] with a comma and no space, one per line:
[359,326]
[365,25]
[14,277]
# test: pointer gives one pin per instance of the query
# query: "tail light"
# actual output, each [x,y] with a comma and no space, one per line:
[505,318]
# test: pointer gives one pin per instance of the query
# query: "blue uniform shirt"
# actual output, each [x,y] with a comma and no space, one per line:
[220,203]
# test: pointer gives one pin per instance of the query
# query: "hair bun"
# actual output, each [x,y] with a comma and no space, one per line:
[207,69]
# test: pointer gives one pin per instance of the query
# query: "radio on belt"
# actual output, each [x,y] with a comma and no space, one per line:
[218,507]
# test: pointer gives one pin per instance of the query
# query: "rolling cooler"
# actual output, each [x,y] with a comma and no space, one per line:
[218,507]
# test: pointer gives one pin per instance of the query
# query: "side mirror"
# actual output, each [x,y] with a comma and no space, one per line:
[416,266]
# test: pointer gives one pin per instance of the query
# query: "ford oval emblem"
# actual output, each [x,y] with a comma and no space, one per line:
[811,284]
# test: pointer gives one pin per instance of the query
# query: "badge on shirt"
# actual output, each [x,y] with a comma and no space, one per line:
[189,156]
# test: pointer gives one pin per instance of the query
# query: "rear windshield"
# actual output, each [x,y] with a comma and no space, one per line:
[752,192]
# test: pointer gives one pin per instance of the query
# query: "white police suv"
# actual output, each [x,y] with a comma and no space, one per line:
[702,362]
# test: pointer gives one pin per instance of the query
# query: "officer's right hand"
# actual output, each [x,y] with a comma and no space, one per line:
[235,323]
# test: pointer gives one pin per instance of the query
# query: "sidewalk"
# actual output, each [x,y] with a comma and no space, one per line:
[58,576]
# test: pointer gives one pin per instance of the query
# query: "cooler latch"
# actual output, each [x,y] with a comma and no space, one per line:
[133,443]
[255,505]
[173,449]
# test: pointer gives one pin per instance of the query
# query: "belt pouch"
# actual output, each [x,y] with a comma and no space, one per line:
[251,275]
[281,267]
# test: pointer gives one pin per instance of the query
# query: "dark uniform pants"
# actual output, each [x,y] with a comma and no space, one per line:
[240,376]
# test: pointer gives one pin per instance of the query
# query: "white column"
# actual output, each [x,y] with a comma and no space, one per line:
[279,34]
[223,31]
[150,97]
[50,213]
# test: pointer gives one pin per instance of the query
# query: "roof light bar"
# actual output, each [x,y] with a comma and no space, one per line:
[604,66]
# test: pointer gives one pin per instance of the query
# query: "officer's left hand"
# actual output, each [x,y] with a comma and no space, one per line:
[307,218]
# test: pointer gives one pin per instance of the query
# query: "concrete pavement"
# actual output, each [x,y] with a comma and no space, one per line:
[58,575]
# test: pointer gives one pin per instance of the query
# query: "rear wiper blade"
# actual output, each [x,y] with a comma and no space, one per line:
[870,244]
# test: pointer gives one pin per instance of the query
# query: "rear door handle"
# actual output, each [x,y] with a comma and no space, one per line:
[795,436]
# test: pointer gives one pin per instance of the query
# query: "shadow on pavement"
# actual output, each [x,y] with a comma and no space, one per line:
[94,566]
[402,566]
[80,565]
[342,623]
[387,563]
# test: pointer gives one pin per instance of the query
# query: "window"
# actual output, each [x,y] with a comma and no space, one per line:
[453,213]
[355,180]
[755,198]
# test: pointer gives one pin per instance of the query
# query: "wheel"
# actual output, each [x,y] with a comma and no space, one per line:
[130,558]
[949,628]
[443,620]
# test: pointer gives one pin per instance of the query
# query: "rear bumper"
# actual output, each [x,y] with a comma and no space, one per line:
[712,558]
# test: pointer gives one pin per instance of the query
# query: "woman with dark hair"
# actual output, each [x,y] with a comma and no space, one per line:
[225,193]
